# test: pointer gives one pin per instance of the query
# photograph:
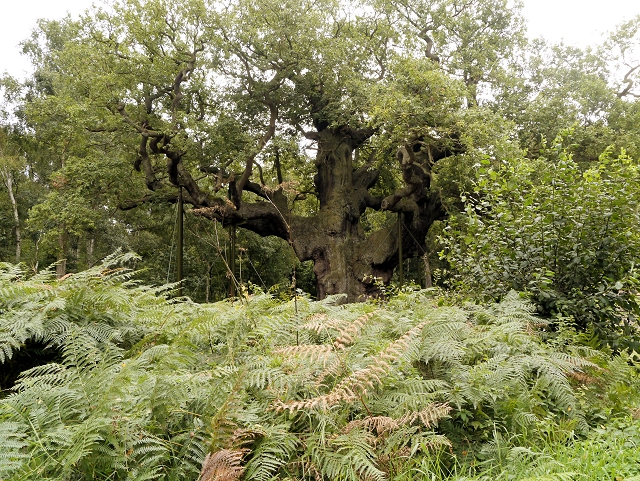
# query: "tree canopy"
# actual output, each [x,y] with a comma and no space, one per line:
[292,121]
[347,129]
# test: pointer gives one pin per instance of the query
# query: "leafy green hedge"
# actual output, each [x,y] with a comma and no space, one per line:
[569,237]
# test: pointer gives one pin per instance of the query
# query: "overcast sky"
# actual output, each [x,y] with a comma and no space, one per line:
[578,22]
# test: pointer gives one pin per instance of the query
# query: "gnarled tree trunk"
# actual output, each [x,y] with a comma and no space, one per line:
[345,261]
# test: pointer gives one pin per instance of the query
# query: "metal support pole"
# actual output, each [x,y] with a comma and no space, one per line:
[179,257]
[232,261]
[400,259]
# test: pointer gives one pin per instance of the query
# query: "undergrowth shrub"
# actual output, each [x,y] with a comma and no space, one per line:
[261,389]
[608,452]
[567,236]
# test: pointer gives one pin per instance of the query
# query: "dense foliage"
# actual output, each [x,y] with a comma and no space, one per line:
[315,122]
[568,236]
[143,388]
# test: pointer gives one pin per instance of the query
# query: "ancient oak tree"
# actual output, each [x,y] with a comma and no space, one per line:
[295,119]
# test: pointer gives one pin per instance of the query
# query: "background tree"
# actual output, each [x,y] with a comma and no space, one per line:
[590,91]
[10,170]
[20,184]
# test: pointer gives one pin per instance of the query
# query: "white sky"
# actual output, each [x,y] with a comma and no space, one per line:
[578,22]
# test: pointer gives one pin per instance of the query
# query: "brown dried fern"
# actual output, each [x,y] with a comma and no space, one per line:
[583,378]
[311,352]
[223,465]
[383,425]
[354,386]
[320,323]
[245,438]
[429,416]
[334,369]
[380,424]
[346,335]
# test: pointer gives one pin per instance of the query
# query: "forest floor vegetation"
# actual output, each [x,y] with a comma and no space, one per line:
[137,385]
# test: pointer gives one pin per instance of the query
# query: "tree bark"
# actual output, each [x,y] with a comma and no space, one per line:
[345,260]
[428,277]
[207,280]
[61,265]
[91,243]
[8,182]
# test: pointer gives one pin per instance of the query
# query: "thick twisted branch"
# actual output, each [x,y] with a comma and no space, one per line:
[413,175]
[630,84]
[143,160]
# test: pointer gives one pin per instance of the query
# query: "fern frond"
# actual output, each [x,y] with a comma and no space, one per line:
[262,374]
[190,449]
[346,335]
[429,416]
[321,323]
[311,352]
[273,450]
[332,370]
[334,300]
[223,465]
[13,439]
[378,424]
[426,442]
[349,456]
[356,385]
[222,424]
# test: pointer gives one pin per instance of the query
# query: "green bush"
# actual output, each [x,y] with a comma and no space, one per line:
[609,452]
[567,236]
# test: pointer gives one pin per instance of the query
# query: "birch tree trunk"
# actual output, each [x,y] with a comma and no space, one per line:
[61,266]
[7,177]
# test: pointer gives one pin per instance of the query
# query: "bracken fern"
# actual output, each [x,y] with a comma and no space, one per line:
[151,388]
